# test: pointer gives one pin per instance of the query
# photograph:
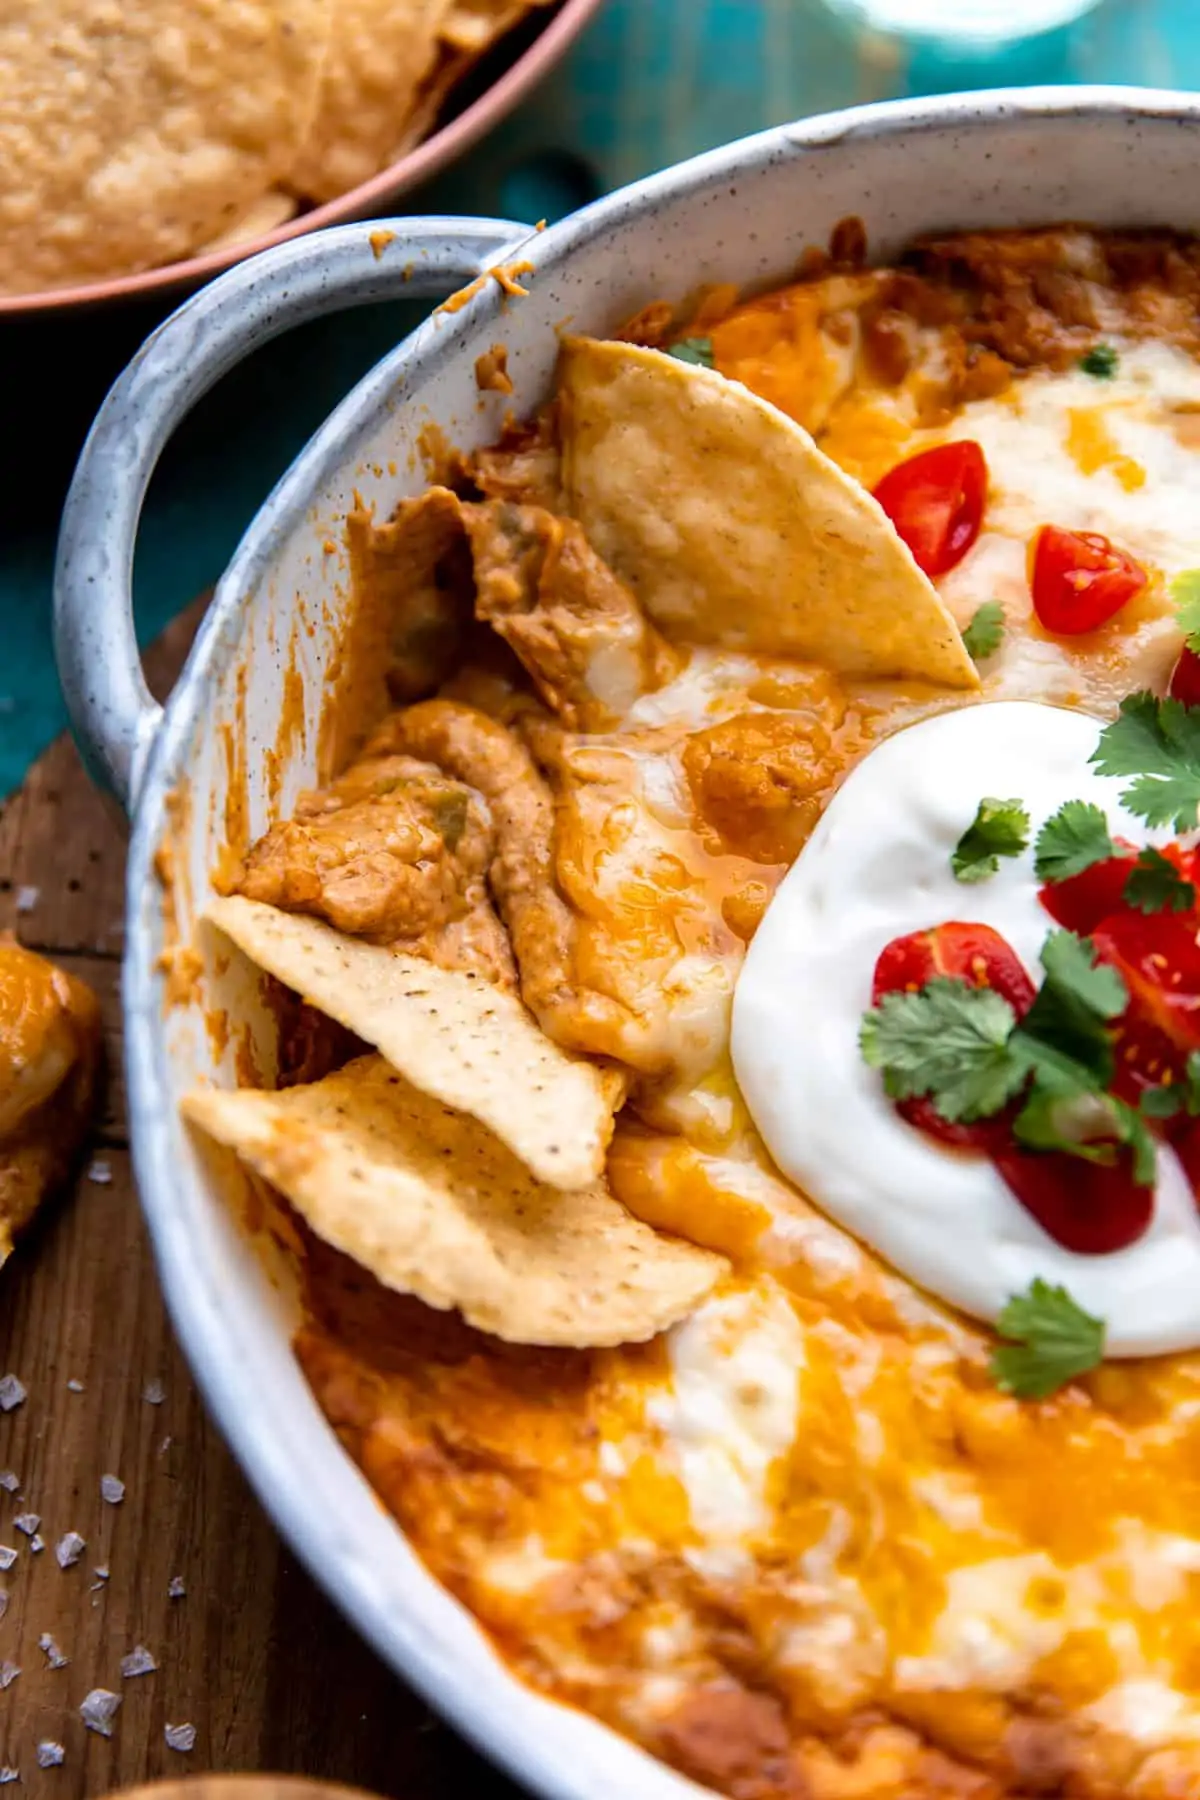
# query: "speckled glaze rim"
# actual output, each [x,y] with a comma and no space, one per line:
[417,165]
[574,1760]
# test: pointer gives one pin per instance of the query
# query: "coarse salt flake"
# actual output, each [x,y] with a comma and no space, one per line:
[28,1523]
[27,898]
[8,1556]
[76,1387]
[49,1754]
[138,1662]
[99,1171]
[180,1737]
[8,1774]
[54,1656]
[99,1709]
[175,1588]
[69,1548]
[8,1673]
[10,1481]
[112,1489]
[154,1393]
[12,1392]
[37,1542]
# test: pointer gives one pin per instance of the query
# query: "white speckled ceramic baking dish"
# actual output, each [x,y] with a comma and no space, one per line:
[1116,157]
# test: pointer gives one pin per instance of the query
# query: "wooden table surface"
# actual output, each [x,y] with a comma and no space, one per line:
[250,1653]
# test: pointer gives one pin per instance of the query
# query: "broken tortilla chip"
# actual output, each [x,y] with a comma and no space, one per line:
[470,1045]
[733,527]
[434,1205]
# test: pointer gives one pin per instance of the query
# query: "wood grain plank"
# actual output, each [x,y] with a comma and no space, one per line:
[252,1654]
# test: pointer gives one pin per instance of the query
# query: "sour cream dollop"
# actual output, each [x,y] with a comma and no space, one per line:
[878,866]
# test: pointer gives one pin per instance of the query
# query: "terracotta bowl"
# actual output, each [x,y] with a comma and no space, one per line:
[447,142]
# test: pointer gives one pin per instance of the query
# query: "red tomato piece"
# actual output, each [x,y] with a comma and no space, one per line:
[1145,1057]
[935,500]
[1185,678]
[1078,579]
[1159,958]
[1090,1208]
[967,952]
[1083,900]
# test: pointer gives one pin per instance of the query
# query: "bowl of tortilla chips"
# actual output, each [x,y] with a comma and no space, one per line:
[427,984]
[148,150]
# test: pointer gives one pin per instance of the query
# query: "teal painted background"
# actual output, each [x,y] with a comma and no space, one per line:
[650,82]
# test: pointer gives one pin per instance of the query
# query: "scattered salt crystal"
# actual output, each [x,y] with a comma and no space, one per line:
[54,1656]
[76,1387]
[8,1774]
[138,1662]
[12,1392]
[37,1542]
[164,1446]
[49,1754]
[27,898]
[8,1556]
[180,1737]
[8,1674]
[28,1523]
[112,1489]
[99,1171]
[175,1588]
[3,1601]
[69,1548]
[9,1481]
[154,1393]
[99,1709]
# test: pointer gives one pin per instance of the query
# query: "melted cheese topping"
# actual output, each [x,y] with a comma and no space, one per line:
[803,1544]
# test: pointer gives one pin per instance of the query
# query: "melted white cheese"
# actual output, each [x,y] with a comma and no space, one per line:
[878,866]
[733,1405]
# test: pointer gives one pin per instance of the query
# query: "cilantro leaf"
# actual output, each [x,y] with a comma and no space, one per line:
[1167,1102]
[1072,1009]
[1101,361]
[999,828]
[949,1041]
[694,350]
[1051,1341]
[1155,885]
[1185,592]
[983,636]
[1071,840]
[1158,743]
[1072,1116]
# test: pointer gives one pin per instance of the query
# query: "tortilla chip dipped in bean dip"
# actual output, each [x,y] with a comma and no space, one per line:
[791,790]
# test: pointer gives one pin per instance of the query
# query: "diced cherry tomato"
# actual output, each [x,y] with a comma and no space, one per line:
[1185,678]
[968,952]
[1083,900]
[1091,1208]
[1159,958]
[1145,1057]
[935,500]
[1078,579]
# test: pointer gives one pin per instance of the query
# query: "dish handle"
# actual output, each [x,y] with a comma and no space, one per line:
[113,714]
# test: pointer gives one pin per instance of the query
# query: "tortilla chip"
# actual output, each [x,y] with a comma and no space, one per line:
[434,1205]
[380,55]
[472,25]
[266,213]
[732,527]
[132,133]
[460,1040]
